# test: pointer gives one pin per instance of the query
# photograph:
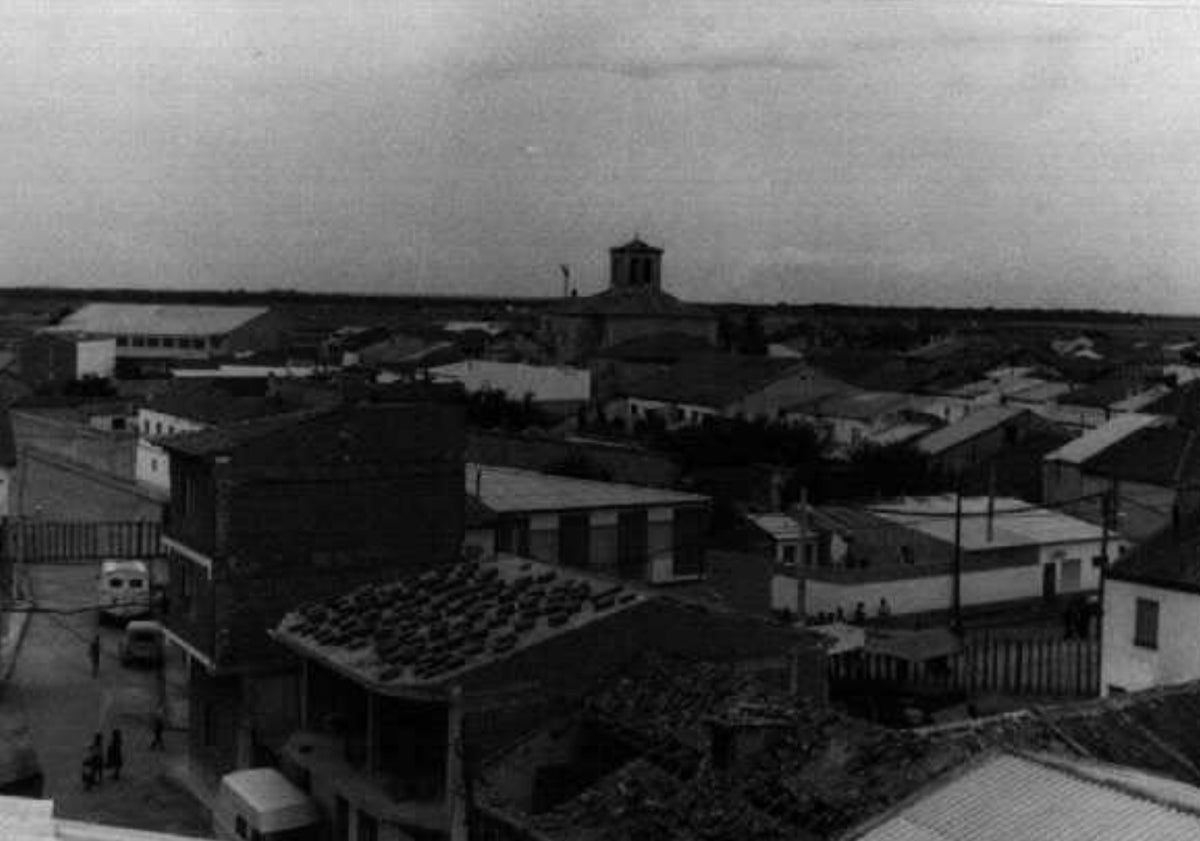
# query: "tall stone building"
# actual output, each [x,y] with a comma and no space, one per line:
[634,305]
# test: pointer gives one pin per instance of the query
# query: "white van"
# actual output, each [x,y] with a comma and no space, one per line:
[261,804]
[124,590]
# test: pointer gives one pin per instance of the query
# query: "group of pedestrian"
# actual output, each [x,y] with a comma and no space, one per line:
[98,758]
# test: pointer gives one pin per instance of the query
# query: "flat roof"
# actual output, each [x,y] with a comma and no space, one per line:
[156,319]
[1014,522]
[509,489]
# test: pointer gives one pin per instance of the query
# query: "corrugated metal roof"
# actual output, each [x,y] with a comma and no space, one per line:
[1098,440]
[1014,797]
[507,489]
[157,319]
[976,423]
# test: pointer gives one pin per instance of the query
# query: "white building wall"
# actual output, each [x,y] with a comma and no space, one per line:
[1130,667]
[95,358]
[153,465]
[927,593]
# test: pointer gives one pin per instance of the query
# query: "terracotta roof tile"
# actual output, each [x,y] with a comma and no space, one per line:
[420,630]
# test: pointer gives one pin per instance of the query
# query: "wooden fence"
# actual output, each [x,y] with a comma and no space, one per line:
[65,542]
[1035,667]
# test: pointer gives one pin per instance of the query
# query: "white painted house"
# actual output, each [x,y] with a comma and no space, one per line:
[542,383]
[903,551]
[1151,623]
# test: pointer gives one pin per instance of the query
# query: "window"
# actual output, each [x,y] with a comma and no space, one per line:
[122,341]
[153,465]
[633,530]
[789,555]
[139,341]
[135,584]
[168,342]
[152,341]
[158,428]
[1145,632]
[240,826]
[116,583]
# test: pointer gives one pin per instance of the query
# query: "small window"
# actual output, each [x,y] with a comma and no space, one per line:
[122,341]
[152,341]
[139,341]
[1145,632]
[153,465]
[116,583]
[158,428]
[168,342]
[789,555]
[135,584]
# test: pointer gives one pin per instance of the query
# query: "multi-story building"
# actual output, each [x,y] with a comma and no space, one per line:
[268,513]
[48,359]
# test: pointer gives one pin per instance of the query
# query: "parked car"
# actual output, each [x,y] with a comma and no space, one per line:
[142,643]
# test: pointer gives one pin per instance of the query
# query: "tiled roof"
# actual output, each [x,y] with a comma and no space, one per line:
[157,319]
[418,632]
[508,489]
[860,405]
[657,347]
[1030,797]
[824,773]
[1095,441]
[1156,455]
[778,526]
[714,380]
[1102,394]
[1182,403]
[1170,558]
[640,301]
[976,423]
[222,439]
[636,244]
[206,403]
[1014,522]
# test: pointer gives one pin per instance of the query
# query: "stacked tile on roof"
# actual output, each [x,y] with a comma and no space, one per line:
[419,631]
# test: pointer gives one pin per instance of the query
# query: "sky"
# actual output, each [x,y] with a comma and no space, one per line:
[981,153]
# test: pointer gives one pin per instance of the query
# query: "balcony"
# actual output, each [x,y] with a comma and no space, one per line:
[325,760]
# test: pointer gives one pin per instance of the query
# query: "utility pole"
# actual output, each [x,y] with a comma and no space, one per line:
[957,626]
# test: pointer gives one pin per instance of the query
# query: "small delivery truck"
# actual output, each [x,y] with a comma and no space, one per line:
[261,804]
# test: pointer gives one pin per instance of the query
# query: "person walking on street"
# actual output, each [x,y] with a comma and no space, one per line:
[93,763]
[116,755]
[159,724]
[94,654]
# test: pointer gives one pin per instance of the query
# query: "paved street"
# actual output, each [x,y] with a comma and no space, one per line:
[66,706]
